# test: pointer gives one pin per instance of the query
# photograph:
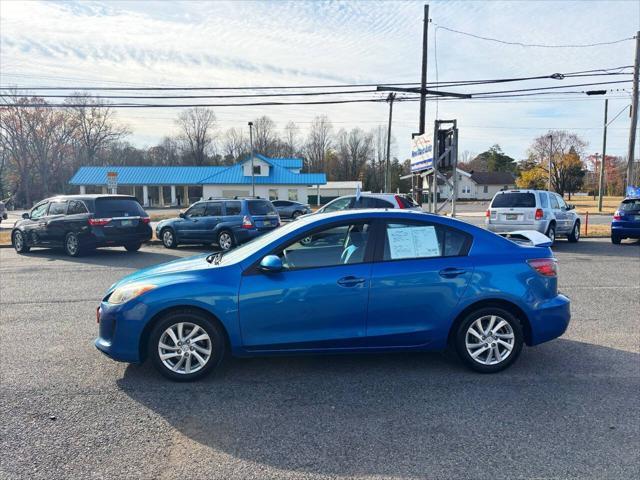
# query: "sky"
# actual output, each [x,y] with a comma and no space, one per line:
[281,43]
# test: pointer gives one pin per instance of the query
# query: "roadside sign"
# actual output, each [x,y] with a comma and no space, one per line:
[112,180]
[422,152]
[633,191]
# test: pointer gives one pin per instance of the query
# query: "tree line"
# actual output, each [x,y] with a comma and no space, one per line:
[41,148]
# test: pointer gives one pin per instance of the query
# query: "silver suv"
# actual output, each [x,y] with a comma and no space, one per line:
[539,210]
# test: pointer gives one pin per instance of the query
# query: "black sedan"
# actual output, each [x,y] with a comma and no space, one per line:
[290,209]
[82,222]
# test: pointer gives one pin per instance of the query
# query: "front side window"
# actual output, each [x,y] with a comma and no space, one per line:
[196,211]
[336,245]
[57,208]
[417,240]
[273,194]
[561,201]
[338,204]
[39,211]
[293,194]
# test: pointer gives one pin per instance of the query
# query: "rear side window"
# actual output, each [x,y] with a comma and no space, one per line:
[418,240]
[233,208]
[554,202]
[514,200]
[544,200]
[76,207]
[118,207]
[214,209]
[57,208]
[630,205]
[260,207]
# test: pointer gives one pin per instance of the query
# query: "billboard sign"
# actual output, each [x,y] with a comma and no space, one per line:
[633,192]
[422,152]
[112,180]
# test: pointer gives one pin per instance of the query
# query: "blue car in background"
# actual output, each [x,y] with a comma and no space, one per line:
[626,220]
[379,281]
[221,221]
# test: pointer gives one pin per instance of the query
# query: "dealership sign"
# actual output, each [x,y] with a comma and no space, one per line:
[112,180]
[422,152]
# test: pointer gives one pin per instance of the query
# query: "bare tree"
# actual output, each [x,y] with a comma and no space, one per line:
[197,133]
[318,143]
[291,133]
[234,145]
[265,139]
[96,128]
[354,149]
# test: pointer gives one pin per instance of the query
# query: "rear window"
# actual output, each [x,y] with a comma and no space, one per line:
[630,205]
[118,207]
[260,207]
[514,200]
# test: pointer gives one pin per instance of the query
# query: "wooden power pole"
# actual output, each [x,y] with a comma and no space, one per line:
[604,156]
[634,114]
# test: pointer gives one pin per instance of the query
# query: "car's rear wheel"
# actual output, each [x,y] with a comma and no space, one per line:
[551,233]
[72,245]
[133,247]
[615,239]
[489,340]
[574,236]
[225,240]
[186,345]
[168,238]
[20,242]
[296,214]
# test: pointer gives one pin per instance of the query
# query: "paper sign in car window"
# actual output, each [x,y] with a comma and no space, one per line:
[413,242]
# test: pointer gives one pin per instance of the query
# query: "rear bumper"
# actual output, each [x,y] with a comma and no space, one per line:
[625,231]
[539,226]
[550,319]
[98,238]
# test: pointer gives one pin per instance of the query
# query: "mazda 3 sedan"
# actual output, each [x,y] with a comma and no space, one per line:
[352,281]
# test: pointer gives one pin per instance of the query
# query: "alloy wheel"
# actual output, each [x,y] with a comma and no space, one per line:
[167,238]
[18,241]
[225,241]
[185,348]
[490,340]
[576,231]
[72,244]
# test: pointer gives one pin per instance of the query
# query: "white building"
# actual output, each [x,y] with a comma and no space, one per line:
[479,185]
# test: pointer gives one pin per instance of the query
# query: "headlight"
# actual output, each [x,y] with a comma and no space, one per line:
[129,292]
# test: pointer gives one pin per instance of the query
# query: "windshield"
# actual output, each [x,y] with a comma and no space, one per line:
[514,199]
[243,251]
[630,205]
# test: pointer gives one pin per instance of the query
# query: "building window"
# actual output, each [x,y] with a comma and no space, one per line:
[293,194]
[256,170]
[273,194]
[485,189]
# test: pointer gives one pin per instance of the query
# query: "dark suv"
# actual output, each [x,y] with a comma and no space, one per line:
[82,222]
[222,221]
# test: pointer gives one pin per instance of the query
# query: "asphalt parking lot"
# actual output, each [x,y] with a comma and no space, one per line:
[567,409]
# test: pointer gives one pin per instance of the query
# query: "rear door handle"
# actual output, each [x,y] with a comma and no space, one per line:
[350,281]
[451,272]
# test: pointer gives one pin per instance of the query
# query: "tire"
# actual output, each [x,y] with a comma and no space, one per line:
[481,321]
[551,233]
[615,239]
[72,245]
[574,236]
[225,240]
[133,247]
[181,356]
[19,242]
[168,237]
[296,214]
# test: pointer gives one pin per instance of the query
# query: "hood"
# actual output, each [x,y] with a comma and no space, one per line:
[167,272]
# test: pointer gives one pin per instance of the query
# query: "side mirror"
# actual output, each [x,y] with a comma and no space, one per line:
[271,263]
[181,215]
[26,216]
[570,206]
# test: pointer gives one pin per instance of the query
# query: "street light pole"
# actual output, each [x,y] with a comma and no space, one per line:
[604,155]
[390,99]
[253,181]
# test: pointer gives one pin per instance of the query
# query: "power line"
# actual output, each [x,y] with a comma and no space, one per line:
[538,45]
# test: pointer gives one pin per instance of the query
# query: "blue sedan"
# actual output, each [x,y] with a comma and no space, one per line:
[352,281]
[626,220]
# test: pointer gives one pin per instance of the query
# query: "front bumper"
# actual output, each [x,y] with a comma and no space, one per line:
[120,330]
[550,319]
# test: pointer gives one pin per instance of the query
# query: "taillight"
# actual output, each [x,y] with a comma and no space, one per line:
[247,223]
[617,216]
[547,267]
[487,213]
[145,219]
[98,222]
[539,214]
[400,201]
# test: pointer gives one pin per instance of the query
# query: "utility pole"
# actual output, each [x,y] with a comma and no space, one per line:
[604,155]
[423,80]
[253,180]
[387,182]
[550,159]
[634,113]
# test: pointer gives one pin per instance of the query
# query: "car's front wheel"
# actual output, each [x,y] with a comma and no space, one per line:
[168,238]
[574,236]
[186,345]
[296,214]
[20,242]
[489,340]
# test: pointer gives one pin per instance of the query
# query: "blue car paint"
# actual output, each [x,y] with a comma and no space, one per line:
[408,307]
[627,226]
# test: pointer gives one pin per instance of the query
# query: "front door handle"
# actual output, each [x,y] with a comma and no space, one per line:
[350,281]
[451,272]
